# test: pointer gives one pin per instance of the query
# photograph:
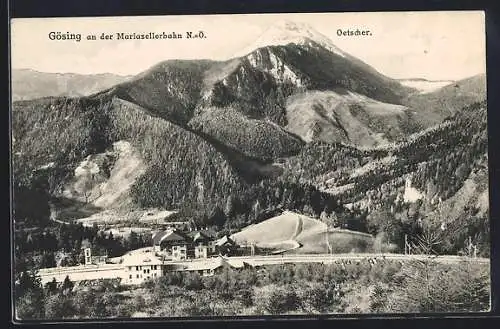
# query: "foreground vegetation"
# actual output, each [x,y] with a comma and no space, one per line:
[352,287]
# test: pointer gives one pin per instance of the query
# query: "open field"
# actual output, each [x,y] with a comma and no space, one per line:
[276,229]
[294,233]
[334,241]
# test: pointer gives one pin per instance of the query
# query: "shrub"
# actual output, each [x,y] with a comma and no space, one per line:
[245,296]
[281,300]
[315,299]
[192,281]
[378,299]
[30,306]
[431,287]
[59,307]
[83,301]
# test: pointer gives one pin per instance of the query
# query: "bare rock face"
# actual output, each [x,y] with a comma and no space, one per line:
[104,179]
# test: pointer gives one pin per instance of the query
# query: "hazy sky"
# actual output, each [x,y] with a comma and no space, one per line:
[433,45]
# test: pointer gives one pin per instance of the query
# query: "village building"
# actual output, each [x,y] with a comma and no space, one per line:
[181,246]
[173,243]
[141,266]
[90,258]
[226,246]
[203,244]
[210,267]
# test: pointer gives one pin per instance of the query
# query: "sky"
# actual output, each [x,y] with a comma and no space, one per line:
[431,45]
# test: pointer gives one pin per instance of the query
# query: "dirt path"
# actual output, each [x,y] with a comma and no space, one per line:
[298,228]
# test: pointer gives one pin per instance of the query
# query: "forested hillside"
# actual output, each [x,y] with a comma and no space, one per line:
[436,163]
[296,125]
[435,106]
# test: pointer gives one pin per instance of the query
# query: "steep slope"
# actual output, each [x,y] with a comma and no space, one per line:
[444,154]
[287,60]
[346,117]
[254,138]
[267,76]
[285,32]
[104,180]
[170,89]
[180,165]
[446,163]
[431,108]
[437,179]
[30,84]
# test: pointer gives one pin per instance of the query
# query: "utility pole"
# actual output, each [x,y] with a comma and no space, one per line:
[406,244]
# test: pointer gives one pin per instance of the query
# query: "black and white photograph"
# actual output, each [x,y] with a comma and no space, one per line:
[249,165]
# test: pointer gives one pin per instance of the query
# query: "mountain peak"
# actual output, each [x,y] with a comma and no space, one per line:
[288,25]
[285,32]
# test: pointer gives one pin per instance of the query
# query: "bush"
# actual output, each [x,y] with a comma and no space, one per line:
[59,307]
[30,306]
[192,281]
[83,301]
[245,296]
[432,287]
[378,299]
[281,300]
[315,299]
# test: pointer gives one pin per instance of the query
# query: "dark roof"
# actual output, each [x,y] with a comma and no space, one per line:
[225,240]
[200,236]
[169,236]
[206,233]
[158,236]
[175,237]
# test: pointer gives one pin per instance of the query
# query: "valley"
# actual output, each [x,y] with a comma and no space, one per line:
[293,151]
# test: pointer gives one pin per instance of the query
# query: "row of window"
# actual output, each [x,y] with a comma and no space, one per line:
[139,268]
[139,276]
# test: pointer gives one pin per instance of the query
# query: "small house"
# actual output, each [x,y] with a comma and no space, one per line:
[226,246]
[208,267]
[202,244]
[173,242]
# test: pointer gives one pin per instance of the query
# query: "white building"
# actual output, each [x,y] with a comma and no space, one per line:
[141,266]
[181,246]
[209,267]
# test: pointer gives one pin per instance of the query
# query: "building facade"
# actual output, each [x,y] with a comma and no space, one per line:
[140,267]
[179,246]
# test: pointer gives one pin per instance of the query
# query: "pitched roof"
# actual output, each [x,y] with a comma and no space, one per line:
[175,236]
[141,258]
[200,236]
[207,264]
[169,236]
[225,240]
[206,233]
[158,236]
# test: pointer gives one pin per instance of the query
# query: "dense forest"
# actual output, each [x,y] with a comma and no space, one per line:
[294,125]
[189,173]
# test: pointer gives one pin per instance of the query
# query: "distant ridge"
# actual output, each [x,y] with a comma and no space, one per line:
[30,84]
